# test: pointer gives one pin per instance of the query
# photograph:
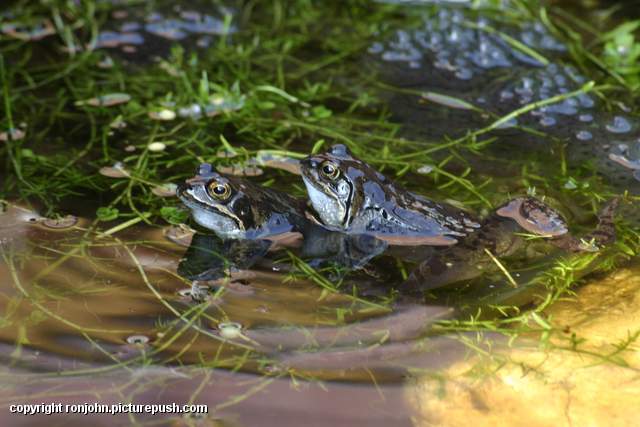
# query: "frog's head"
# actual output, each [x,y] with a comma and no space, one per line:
[217,202]
[335,181]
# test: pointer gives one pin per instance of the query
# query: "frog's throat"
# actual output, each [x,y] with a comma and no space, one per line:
[202,211]
[323,197]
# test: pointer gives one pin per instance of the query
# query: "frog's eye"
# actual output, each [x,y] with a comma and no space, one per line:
[220,190]
[329,169]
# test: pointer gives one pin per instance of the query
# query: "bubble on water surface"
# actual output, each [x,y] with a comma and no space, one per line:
[619,125]
[110,39]
[584,135]
[548,121]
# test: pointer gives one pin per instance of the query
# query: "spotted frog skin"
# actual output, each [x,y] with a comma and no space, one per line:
[351,196]
[234,208]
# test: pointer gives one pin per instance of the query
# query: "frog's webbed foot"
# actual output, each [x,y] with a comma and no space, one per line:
[603,235]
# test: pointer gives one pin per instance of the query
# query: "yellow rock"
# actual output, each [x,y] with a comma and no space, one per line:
[525,385]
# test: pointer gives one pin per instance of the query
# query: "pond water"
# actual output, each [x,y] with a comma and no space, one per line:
[110,295]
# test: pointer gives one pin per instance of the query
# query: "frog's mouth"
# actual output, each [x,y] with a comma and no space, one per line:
[213,216]
[332,210]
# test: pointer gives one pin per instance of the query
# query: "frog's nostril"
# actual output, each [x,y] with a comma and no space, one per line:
[308,163]
[314,163]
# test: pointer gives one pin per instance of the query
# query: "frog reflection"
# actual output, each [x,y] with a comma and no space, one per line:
[210,258]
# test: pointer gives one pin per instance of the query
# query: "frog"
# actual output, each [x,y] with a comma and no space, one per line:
[249,220]
[350,195]
[236,208]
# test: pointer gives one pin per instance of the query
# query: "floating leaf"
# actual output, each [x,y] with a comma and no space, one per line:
[278,162]
[157,146]
[163,115]
[107,214]
[240,170]
[165,190]
[447,101]
[12,134]
[115,171]
[60,223]
[321,112]
[108,100]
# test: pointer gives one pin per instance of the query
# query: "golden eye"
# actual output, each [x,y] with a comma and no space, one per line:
[219,190]
[329,169]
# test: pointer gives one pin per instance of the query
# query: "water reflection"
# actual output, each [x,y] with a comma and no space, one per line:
[104,298]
